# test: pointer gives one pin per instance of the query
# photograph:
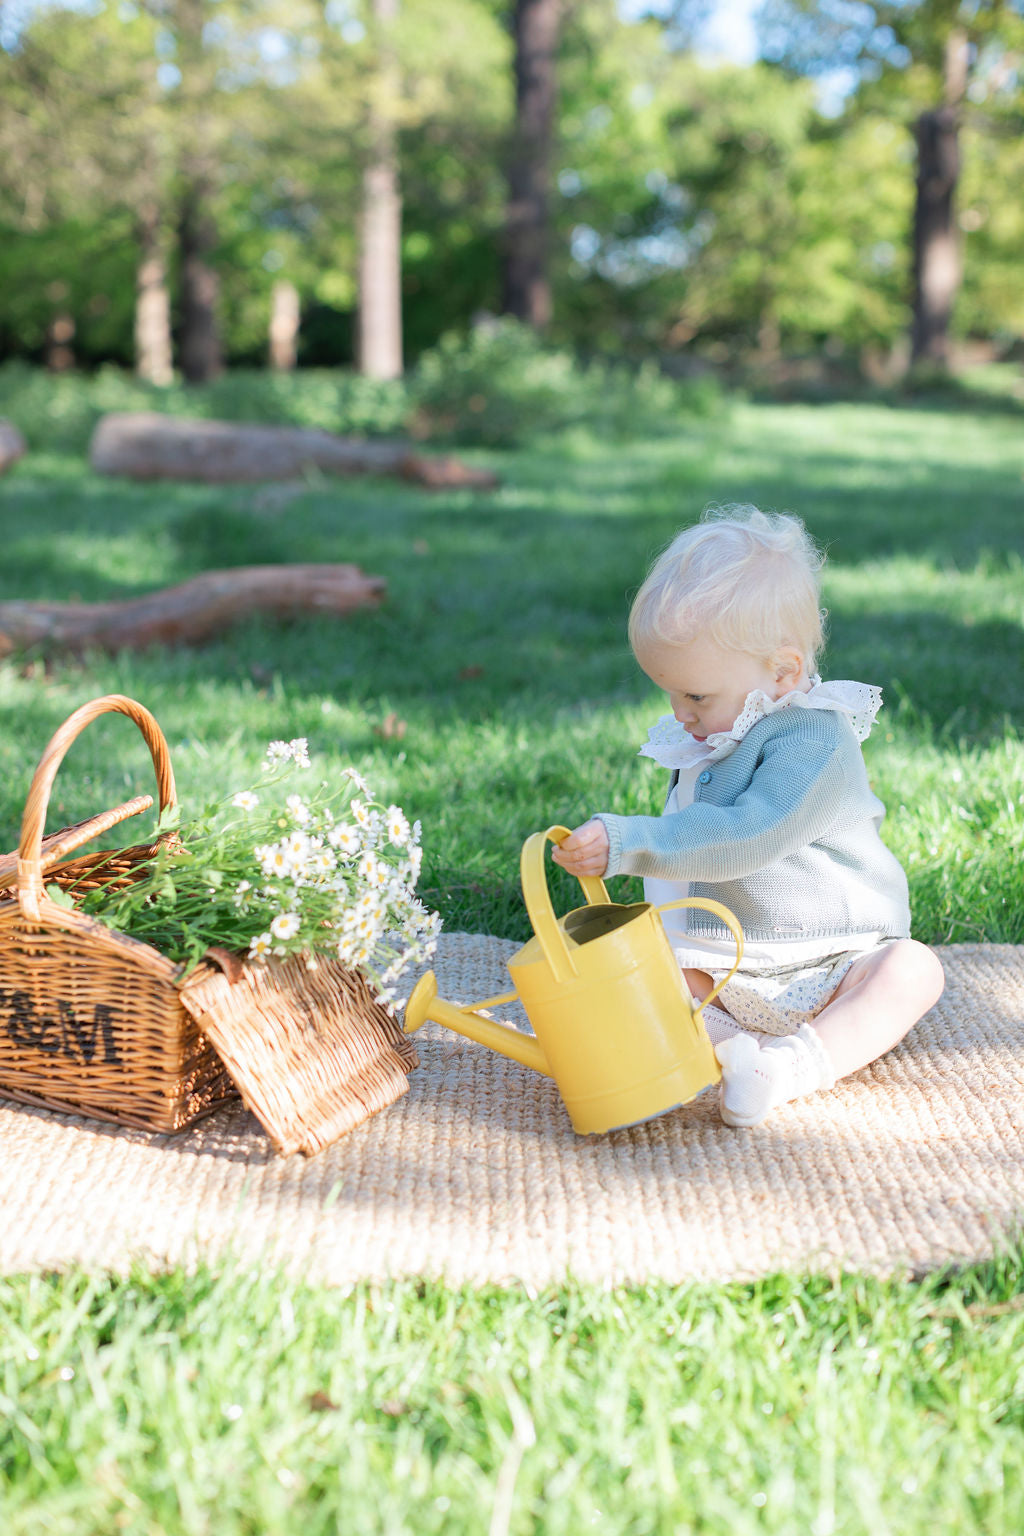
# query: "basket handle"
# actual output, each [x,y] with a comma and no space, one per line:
[33,821]
[59,844]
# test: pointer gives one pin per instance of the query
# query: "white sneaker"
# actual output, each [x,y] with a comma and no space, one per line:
[757,1079]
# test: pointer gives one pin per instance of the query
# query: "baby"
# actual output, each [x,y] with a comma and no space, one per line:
[769,812]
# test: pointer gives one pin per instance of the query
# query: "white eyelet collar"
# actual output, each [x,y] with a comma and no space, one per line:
[671,744]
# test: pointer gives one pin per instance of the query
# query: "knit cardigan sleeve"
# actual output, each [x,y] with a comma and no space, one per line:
[795,794]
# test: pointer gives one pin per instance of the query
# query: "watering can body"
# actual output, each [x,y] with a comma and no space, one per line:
[613,1021]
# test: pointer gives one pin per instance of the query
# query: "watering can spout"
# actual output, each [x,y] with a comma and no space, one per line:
[424,1004]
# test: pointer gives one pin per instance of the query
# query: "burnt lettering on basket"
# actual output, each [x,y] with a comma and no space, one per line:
[26,1027]
[70,1035]
[84,1035]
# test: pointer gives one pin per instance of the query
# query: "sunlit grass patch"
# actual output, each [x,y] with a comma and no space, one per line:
[492,695]
[247,1402]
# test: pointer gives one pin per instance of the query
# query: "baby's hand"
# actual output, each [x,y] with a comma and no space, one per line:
[585,851]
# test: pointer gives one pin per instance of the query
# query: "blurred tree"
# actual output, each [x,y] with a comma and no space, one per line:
[200,343]
[285,310]
[380,230]
[712,206]
[79,148]
[916,60]
[526,279]
[689,207]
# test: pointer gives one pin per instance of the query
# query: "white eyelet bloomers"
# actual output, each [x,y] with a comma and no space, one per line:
[779,986]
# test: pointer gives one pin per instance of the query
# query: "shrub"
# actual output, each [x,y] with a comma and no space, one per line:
[497,387]
[59,411]
[502,385]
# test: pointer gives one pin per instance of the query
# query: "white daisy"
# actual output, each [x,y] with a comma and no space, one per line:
[357,780]
[372,870]
[345,838]
[273,858]
[285,925]
[246,800]
[260,946]
[369,904]
[398,826]
[413,864]
[296,850]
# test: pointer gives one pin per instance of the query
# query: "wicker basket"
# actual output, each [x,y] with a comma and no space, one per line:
[313,1051]
[95,1022]
[91,1021]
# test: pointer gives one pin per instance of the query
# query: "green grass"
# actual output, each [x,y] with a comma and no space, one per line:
[502,650]
[247,1403]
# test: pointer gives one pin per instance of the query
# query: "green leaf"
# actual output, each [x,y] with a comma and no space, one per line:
[60,898]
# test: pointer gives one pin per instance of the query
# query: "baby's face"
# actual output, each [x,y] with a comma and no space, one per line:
[707,686]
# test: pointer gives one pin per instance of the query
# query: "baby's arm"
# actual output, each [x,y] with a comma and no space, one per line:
[792,798]
[585,851]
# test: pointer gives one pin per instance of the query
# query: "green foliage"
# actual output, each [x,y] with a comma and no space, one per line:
[693,206]
[329,872]
[61,412]
[501,385]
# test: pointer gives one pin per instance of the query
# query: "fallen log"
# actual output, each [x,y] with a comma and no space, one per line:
[12,444]
[190,612]
[143,445]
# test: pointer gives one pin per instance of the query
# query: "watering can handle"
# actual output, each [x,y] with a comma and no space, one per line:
[533,873]
[707,905]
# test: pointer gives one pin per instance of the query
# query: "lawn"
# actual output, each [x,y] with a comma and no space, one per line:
[494,694]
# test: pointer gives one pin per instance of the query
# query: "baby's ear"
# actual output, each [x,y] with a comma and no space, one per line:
[788,664]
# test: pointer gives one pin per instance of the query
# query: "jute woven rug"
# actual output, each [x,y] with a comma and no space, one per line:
[475,1174]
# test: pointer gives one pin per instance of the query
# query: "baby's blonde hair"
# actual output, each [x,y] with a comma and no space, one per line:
[747,578]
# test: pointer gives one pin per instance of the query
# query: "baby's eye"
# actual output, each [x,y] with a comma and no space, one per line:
[696,698]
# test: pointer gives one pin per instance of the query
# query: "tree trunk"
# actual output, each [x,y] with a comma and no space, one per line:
[201,357]
[527,288]
[380,243]
[936,245]
[60,333]
[284,326]
[153,359]
[936,252]
[60,337]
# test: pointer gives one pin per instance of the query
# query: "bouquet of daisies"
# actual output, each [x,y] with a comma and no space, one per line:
[330,872]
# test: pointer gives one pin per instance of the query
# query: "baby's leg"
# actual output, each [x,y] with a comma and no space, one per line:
[719,1024]
[879,999]
[699,983]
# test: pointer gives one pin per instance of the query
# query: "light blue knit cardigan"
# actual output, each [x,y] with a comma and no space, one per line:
[784,832]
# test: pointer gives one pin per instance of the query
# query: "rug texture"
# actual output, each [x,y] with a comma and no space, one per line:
[475,1175]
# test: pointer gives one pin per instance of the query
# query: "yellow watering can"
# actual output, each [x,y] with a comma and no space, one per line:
[614,1024]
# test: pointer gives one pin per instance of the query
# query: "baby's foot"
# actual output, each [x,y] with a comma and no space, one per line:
[755,1080]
